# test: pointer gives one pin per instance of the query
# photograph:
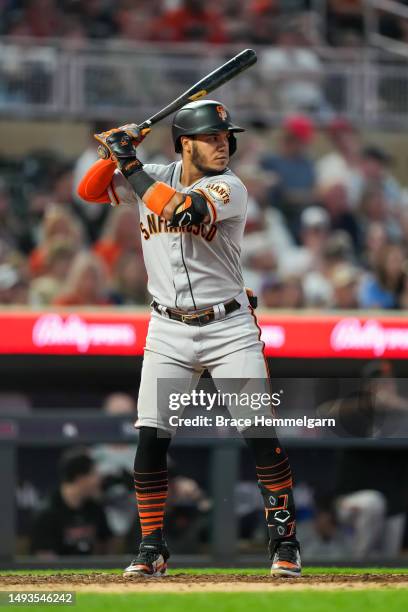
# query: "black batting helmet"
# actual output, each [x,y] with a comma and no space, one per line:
[203,117]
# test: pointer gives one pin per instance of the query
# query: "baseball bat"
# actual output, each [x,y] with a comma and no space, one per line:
[212,81]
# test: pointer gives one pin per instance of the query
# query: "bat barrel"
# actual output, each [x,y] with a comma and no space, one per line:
[209,83]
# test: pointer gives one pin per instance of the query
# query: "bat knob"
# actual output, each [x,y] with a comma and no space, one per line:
[103,152]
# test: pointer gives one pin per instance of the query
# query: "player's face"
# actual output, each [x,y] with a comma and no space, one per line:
[210,152]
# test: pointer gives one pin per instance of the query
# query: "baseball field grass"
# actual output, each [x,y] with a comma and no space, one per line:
[221,590]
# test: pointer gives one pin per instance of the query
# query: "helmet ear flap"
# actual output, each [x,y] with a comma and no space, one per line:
[232,144]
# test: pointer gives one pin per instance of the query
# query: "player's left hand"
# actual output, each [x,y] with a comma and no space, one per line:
[119,147]
[135,135]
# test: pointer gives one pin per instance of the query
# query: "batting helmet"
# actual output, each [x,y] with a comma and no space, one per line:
[203,117]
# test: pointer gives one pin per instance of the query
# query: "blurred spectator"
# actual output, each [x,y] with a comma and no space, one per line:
[73,521]
[191,22]
[369,504]
[38,202]
[187,513]
[129,280]
[250,511]
[322,538]
[292,169]
[271,292]
[117,404]
[381,288]
[373,206]
[375,239]
[292,292]
[132,23]
[58,259]
[338,249]
[259,260]
[13,287]
[238,23]
[114,462]
[121,235]
[294,71]
[266,236]
[345,16]
[4,251]
[61,189]
[403,294]
[43,17]
[334,198]
[317,284]
[342,166]
[262,19]
[97,19]
[375,168]
[73,33]
[344,280]
[86,283]
[58,224]
[378,182]
[9,226]
[313,235]
[261,217]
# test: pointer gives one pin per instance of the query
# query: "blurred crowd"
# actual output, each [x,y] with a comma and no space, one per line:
[211,21]
[327,232]
[322,232]
[54,249]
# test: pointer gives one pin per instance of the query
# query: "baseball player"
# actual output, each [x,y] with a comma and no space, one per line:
[192,218]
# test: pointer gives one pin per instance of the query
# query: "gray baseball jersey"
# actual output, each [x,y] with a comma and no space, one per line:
[191,267]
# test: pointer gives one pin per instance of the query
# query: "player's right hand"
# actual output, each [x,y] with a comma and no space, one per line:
[136,133]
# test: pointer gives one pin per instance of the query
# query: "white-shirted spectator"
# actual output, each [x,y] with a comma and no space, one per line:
[294,71]
[341,166]
[314,232]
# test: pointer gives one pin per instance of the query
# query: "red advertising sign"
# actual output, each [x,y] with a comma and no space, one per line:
[79,333]
[107,332]
[332,336]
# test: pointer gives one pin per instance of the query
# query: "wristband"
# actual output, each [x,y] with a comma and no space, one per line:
[140,181]
[159,197]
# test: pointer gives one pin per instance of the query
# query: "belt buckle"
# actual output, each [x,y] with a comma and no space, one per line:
[188,317]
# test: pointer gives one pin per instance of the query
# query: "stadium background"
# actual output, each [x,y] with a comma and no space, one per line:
[324,160]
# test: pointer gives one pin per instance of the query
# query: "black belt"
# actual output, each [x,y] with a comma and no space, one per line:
[199,317]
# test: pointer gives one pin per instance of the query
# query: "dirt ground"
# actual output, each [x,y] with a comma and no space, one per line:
[195,583]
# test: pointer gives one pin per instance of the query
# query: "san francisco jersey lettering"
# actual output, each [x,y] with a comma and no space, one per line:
[191,267]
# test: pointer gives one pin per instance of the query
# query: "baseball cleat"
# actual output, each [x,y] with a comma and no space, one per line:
[150,562]
[286,560]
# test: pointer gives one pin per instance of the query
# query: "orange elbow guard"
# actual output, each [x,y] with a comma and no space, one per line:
[159,196]
[94,185]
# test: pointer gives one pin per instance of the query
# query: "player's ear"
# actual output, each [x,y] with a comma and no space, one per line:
[186,143]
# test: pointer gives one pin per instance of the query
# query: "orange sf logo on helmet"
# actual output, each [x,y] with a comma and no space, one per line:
[222,112]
